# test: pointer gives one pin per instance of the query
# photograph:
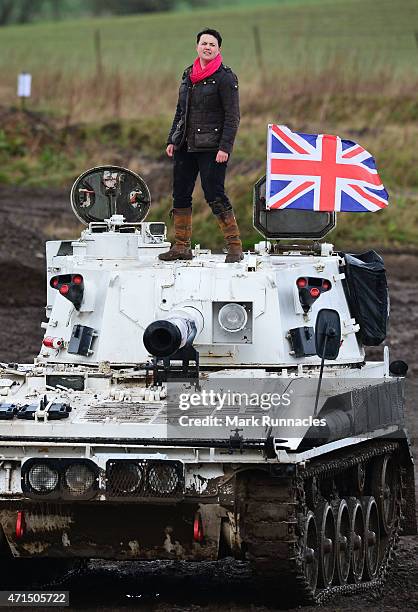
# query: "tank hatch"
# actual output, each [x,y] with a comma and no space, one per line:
[105,191]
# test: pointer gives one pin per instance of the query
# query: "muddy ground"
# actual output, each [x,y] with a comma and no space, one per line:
[28,215]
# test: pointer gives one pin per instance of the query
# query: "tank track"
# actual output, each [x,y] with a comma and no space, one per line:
[17,574]
[272,527]
[79,568]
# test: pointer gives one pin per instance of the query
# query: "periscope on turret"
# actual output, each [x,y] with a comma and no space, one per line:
[204,409]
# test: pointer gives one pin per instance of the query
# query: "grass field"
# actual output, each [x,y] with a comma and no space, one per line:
[360,47]
[348,67]
[351,46]
[369,34]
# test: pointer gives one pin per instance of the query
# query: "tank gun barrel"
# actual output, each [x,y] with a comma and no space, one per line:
[180,327]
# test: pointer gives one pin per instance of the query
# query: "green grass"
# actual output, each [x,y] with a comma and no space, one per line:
[183,5]
[370,34]
[310,49]
[348,67]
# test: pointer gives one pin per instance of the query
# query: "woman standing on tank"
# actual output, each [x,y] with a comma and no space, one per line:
[200,141]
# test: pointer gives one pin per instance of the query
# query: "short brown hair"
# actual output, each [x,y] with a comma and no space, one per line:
[214,33]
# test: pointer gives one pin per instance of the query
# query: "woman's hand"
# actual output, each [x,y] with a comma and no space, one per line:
[170,150]
[222,157]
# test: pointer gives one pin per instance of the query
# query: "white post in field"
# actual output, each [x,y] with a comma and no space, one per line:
[24,85]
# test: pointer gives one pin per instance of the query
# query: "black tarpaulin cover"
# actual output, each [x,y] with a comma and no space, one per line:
[367,294]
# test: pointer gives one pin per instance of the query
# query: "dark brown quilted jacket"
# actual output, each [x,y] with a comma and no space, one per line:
[207,114]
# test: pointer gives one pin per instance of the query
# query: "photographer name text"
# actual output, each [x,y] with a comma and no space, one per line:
[252,421]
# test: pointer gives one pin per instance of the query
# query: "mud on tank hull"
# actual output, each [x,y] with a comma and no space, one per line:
[309,529]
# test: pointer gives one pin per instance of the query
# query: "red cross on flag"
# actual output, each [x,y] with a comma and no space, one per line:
[320,172]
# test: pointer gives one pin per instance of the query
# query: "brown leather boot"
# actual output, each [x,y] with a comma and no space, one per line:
[229,227]
[181,248]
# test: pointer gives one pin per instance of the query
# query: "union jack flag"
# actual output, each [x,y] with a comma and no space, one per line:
[320,172]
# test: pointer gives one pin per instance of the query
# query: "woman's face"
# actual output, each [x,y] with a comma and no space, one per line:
[207,48]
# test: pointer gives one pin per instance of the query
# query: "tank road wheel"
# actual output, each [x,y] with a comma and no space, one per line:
[310,551]
[372,537]
[357,539]
[385,486]
[326,544]
[342,543]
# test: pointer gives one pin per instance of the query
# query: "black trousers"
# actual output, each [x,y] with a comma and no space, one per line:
[186,168]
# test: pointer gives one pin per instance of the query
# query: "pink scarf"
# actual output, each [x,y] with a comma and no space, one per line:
[198,73]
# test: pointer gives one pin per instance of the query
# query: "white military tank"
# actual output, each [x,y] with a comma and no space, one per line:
[196,409]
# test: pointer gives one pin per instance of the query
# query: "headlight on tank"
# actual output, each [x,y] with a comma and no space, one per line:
[60,478]
[78,478]
[163,479]
[42,478]
[124,478]
[232,317]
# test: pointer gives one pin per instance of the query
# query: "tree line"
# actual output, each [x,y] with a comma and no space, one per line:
[26,11]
